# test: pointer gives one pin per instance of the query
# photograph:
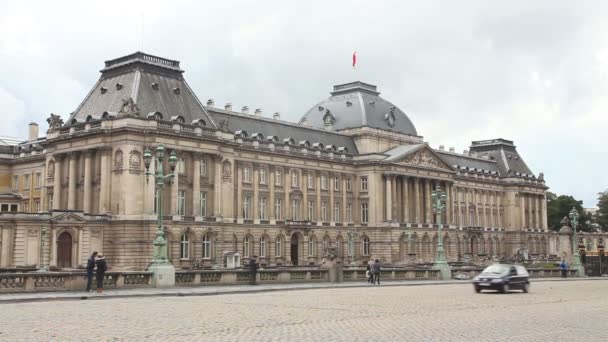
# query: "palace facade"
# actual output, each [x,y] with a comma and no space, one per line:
[353,174]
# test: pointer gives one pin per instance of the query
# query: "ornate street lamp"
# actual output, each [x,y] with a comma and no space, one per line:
[576,263]
[441,264]
[164,272]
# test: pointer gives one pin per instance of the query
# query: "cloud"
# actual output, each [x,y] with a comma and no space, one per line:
[535,73]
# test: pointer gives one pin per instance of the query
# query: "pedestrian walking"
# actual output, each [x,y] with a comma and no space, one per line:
[253,270]
[376,272]
[90,269]
[368,273]
[563,266]
[102,267]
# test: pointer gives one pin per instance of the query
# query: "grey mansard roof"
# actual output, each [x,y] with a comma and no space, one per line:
[234,122]
[154,84]
[358,104]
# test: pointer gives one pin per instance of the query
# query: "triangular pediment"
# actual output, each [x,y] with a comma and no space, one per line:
[422,156]
[68,217]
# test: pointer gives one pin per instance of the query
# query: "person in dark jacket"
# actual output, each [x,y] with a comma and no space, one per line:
[564,268]
[376,271]
[90,269]
[102,267]
[253,270]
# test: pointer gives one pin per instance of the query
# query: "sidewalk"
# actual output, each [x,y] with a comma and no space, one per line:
[230,289]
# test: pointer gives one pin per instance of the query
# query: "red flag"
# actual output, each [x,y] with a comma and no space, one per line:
[355,60]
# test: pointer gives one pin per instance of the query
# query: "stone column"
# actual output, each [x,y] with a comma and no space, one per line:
[318,204]
[543,205]
[427,202]
[467,207]
[530,214]
[287,190]
[498,213]
[389,198]
[344,216]
[86,203]
[239,193]
[303,204]
[330,210]
[256,194]
[174,190]
[523,210]
[150,190]
[405,201]
[104,186]
[270,205]
[217,187]
[196,184]
[537,206]
[448,204]
[417,213]
[394,198]
[53,257]
[72,181]
[57,183]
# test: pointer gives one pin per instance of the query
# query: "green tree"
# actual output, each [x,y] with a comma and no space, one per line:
[560,206]
[602,212]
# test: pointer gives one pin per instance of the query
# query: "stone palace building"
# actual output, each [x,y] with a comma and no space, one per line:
[353,174]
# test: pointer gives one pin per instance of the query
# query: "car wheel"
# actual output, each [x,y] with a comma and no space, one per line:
[477,289]
[505,288]
[526,288]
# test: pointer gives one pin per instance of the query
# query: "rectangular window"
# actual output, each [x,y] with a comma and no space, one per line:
[349,184]
[324,211]
[15,184]
[337,183]
[262,208]
[185,247]
[50,202]
[294,178]
[278,177]
[14,208]
[38,180]
[246,175]
[336,211]
[349,212]
[37,206]
[295,209]
[311,181]
[311,246]
[26,182]
[364,183]
[203,205]
[278,247]
[277,208]
[247,207]
[4,208]
[323,182]
[311,210]
[364,212]
[262,176]
[203,167]
[26,207]
[181,165]
[181,202]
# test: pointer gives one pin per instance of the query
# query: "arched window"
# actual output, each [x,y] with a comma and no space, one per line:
[206,247]
[263,251]
[311,246]
[278,246]
[185,247]
[247,244]
[365,245]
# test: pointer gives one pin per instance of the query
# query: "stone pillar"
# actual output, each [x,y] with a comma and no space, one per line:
[303,204]
[448,204]
[217,187]
[270,205]
[522,207]
[500,223]
[344,217]
[196,184]
[239,193]
[330,210]
[417,213]
[405,199]
[477,202]
[256,193]
[287,190]
[530,214]
[150,190]
[57,184]
[537,210]
[318,204]
[389,198]
[105,185]
[174,190]
[53,257]
[72,181]
[6,247]
[86,203]
[427,202]
[543,205]
[394,198]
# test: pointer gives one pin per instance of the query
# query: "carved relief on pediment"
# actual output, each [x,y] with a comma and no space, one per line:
[424,158]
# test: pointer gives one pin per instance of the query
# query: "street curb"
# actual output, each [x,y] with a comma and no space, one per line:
[258,290]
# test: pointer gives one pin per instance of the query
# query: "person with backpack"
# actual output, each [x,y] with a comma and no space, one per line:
[90,268]
[563,266]
[102,267]
[376,272]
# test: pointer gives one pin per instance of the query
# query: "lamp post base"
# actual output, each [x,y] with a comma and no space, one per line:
[441,264]
[163,274]
[577,266]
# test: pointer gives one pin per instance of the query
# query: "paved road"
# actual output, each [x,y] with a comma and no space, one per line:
[553,311]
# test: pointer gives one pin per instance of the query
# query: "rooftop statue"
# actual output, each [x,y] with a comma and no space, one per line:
[54,121]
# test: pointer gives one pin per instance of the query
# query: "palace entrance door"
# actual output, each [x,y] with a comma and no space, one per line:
[64,250]
[294,249]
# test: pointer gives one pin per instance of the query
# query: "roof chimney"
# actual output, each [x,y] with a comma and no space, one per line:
[258,112]
[452,149]
[276,116]
[210,103]
[228,107]
[33,132]
[245,110]
[465,152]
[441,148]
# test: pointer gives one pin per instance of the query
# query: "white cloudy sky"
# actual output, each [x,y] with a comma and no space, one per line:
[533,72]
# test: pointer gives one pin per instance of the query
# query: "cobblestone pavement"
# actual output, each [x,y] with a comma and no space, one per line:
[553,311]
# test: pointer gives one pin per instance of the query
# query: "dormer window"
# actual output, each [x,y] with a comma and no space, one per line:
[103,90]
[390,119]
[119,86]
[154,86]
